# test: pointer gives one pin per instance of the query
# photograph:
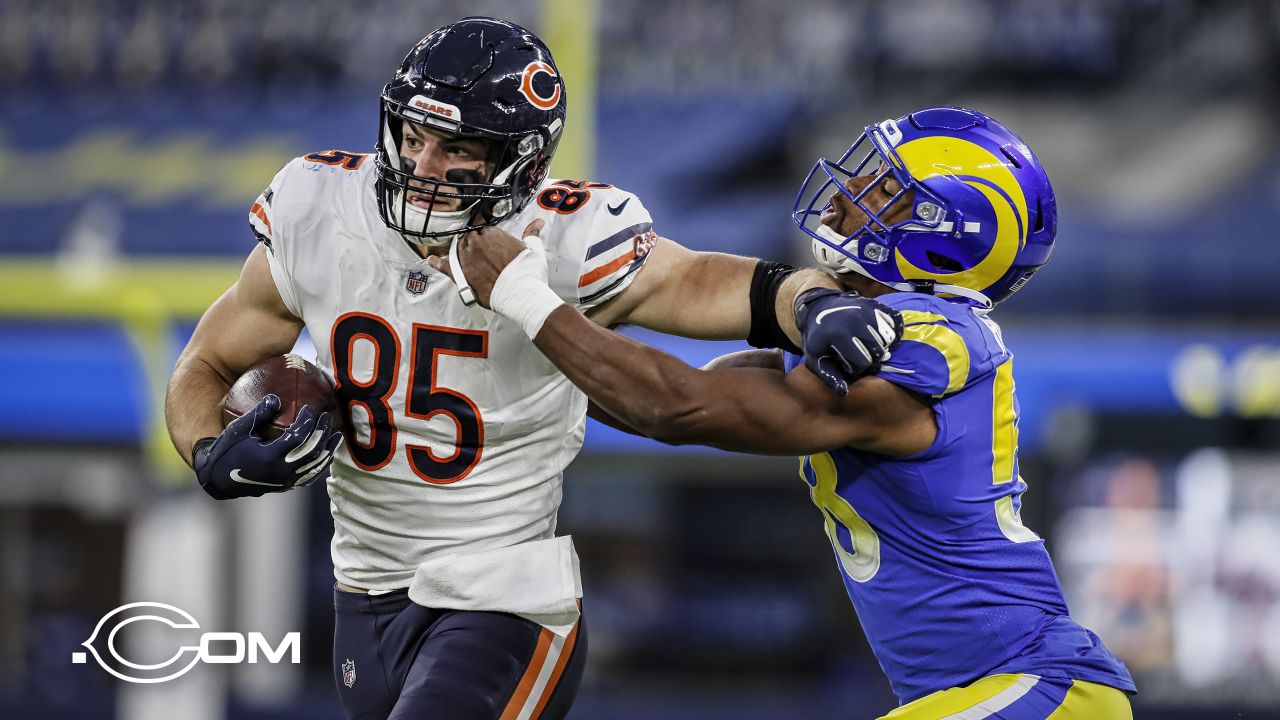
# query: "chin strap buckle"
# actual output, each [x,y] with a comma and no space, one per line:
[921,286]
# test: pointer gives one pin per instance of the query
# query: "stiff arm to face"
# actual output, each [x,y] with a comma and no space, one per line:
[747,403]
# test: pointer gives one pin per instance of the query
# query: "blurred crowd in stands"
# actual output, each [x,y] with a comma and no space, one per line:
[669,45]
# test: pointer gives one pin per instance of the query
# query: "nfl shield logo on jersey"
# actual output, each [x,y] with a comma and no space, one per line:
[416,283]
[349,672]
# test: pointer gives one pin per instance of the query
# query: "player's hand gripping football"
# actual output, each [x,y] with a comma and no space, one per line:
[240,463]
[845,336]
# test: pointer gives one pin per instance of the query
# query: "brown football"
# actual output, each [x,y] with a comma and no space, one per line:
[291,378]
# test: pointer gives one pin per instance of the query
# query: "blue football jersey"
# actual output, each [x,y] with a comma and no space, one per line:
[949,585]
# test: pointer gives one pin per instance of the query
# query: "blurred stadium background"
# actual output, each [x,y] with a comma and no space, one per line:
[135,133]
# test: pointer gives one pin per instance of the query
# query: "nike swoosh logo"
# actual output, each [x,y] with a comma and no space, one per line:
[828,311]
[235,475]
[618,210]
[900,371]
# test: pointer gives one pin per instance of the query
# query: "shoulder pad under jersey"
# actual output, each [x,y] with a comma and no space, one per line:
[597,238]
[945,345]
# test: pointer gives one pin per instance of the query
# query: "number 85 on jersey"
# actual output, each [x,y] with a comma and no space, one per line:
[424,398]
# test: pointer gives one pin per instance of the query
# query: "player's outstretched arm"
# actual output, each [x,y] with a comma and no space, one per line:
[744,358]
[248,324]
[745,409]
[718,296]
[748,409]
[711,296]
[707,295]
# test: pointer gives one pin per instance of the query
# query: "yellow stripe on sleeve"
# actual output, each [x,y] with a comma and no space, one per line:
[923,327]
[916,317]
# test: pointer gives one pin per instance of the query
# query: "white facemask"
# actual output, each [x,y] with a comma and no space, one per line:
[417,220]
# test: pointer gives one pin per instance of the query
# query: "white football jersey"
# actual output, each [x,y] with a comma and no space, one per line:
[459,429]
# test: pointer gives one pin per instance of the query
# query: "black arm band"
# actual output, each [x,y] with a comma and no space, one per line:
[765,332]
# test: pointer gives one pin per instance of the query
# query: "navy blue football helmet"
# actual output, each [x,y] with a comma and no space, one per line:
[479,79]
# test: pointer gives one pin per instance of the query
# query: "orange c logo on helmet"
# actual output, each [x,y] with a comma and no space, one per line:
[526,85]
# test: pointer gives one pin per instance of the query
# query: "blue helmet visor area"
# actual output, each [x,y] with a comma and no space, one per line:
[873,241]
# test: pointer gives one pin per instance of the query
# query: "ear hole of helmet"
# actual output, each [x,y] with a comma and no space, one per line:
[1013,156]
[942,262]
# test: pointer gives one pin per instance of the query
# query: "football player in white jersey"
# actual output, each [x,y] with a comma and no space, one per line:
[451,582]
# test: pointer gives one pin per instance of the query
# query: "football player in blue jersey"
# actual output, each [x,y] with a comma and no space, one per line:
[937,215]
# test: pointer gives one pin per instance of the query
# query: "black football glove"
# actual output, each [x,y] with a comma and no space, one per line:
[844,335]
[239,463]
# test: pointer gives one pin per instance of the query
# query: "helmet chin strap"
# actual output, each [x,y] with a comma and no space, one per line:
[834,260]
[984,302]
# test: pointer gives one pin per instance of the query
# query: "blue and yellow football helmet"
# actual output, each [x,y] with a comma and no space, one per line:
[983,216]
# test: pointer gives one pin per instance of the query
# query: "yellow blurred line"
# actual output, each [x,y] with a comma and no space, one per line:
[145,297]
[569,29]
[139,288]
[144,171]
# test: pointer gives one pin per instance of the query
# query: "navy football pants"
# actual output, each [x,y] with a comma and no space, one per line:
[393,658]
